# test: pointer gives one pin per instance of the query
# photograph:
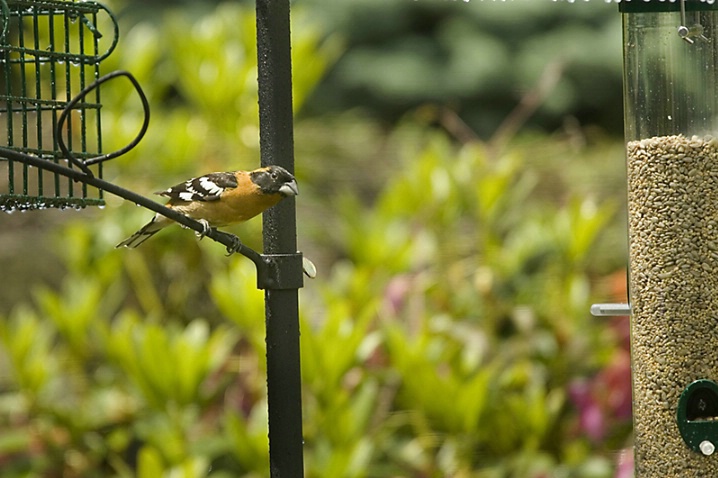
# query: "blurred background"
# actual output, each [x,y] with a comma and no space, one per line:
[462,179]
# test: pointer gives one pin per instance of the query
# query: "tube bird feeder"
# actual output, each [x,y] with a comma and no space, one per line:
[670,52]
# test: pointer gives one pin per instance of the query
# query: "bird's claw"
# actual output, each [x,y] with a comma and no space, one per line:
[236,245]
[206,229]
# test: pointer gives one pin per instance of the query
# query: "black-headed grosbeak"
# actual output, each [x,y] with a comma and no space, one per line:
[221,199]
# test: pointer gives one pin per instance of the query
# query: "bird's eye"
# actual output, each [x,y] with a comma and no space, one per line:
[275,175]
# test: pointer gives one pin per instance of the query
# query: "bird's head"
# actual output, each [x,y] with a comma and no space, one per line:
[275,180]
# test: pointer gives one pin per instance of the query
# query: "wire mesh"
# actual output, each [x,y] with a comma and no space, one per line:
[50,51]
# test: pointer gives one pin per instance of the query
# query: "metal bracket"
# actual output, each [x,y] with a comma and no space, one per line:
[689,33]
[280,271]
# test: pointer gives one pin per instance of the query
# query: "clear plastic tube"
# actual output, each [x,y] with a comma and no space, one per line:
[671,122]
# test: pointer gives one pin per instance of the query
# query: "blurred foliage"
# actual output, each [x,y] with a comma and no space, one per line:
[479,57]
[447,334]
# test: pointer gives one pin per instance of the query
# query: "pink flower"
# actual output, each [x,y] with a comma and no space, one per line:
[625,466]
[396,293]
[605,398]
[591,418]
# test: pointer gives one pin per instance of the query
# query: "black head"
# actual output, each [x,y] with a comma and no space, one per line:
[275,180]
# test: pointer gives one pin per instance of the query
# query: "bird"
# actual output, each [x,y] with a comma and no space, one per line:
[220,199]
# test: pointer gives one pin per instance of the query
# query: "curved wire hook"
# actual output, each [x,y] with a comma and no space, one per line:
[84,165]
[115,34]
[6,18]
[73,11]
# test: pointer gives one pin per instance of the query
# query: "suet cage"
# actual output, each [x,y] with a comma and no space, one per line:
[49,52]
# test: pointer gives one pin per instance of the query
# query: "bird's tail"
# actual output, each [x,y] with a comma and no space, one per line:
[148,230]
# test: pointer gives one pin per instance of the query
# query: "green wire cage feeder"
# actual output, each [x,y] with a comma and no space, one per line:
[50,51]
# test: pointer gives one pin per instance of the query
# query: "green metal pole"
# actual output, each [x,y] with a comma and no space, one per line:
[282,314]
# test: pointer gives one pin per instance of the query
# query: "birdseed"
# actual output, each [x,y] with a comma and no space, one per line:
[673,230]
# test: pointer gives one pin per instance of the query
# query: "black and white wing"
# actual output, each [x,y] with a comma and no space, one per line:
[204,188]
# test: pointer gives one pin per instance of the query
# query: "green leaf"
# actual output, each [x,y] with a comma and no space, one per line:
[149,463]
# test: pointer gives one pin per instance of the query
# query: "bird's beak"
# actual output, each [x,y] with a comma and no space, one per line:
[289,189]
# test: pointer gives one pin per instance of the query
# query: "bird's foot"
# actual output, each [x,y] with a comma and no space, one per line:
[236,245]
[206,229]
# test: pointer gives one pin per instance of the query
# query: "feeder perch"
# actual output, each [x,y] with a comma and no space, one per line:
[697,411]
[49,52]
[670,52]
